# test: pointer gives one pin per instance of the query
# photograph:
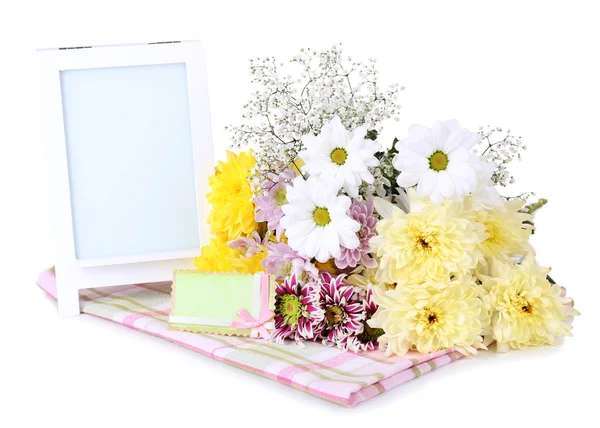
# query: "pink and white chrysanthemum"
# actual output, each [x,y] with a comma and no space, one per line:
[343,312]
[367,339]
[282,262]
[362,212]
[248,246]
[268,206]
[297,311]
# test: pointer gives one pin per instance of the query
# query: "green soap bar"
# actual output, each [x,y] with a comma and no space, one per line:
[209,302]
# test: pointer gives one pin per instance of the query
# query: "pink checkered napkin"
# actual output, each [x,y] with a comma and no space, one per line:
[342,377]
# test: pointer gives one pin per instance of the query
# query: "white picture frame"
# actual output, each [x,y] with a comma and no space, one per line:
[65,74]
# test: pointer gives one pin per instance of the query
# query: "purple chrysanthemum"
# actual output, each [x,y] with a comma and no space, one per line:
[343,313]
[297,310]
[362,212]
[268,206]
[282,261]
[366,340]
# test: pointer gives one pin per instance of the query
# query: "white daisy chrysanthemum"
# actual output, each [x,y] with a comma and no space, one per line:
[439,161]
[342,155]
[315,219]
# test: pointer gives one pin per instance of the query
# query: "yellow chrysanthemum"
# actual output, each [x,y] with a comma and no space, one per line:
[232,213]
[218,257]
[526,309]
[430,317]
[249,264]
[430,244]
[215,257]
[506,229]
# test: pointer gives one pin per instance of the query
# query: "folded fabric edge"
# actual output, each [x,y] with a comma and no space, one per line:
[47,282]
[402,377]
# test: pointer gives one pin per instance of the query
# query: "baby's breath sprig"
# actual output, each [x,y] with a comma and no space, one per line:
[283,109]
[501,147]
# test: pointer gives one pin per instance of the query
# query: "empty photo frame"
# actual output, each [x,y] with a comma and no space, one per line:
[128,138]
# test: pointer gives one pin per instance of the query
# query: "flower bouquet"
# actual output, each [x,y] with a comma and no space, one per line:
[401,246]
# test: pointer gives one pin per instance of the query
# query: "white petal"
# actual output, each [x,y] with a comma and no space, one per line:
[359,133]
[436,197]
[348,239]
[452,125]
[458,155]
[410,160]
[440,134]
[445,184]
[403,200]
[428,183]
[456,139]
[331,244]
[384,207]
[343,202]
[408,178]
[313,241]
[419,132]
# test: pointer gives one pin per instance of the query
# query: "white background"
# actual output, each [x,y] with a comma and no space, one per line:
[529,66]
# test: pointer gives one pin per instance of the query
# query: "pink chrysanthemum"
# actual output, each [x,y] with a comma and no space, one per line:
[268,206]
[297,310]
[362,212]
[366,340]
[282,261]
[343,313]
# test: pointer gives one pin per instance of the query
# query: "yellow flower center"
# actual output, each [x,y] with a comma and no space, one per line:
[493,229]
[369,334]
[321,216]
[422,241]
[521,305]
[284,269]
[339,156]
[333,314]
[428,317]
[280,196]
[526,308]
[289,307]
[438,161]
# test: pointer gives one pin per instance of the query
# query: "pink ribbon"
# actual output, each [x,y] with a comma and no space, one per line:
[257,325]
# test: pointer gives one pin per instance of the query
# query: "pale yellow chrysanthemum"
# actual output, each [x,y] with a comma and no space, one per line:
[526,309]
[362,277]
[430,317]
[232,212]
[507,231]
[218,257]
[429,244]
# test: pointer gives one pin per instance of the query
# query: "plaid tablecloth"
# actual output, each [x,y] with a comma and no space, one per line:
[342,377]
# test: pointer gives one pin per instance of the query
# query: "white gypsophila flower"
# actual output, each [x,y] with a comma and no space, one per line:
[340,155]
[284,108]
[316,221]
[500,147]
[438,161]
